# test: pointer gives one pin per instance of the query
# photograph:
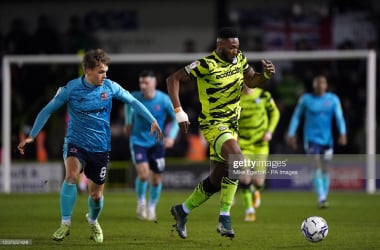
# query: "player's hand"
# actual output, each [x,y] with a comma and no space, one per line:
[155,128]
[269,69]
[21,146]
[267,136]
[182,119]
[292,141]
[342,140]
[168,142]
[184,126]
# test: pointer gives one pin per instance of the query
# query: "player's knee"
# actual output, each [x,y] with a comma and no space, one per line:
[96,196]
[71,178]
[143,177]
[259,183]
[209,187]
[156,179]
[230,147]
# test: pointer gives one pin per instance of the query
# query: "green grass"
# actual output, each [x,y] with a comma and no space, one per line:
[353,219]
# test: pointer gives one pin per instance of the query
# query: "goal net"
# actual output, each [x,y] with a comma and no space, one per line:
[51,66]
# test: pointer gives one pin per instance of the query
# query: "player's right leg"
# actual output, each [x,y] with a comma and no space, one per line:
[157,167]
[315,154]
[202,192]
[250,213]
[68,195]
[140,160]
[95,205]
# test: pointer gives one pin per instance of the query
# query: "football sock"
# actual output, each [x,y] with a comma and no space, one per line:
[154,194]
[252,188]
[140,188]
[94,209]
[326,183]
[318,185]
[68,197]
[247,197]
[227,194]
[201,193]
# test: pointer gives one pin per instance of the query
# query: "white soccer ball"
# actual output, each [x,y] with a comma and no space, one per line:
[314,228]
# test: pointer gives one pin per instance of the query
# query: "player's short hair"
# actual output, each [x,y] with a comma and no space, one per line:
[227,32]
[94,57]
[147,73]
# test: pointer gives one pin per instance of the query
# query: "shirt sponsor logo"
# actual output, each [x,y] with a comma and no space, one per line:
[94,111]
[229,73]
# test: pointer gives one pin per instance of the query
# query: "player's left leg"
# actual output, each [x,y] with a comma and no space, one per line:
[154,196]
[327,157]
[227,147]
[261,153]
[95,207]
[96,172]
[141,186]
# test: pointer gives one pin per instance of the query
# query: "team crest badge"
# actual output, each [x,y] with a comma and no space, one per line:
[104,96]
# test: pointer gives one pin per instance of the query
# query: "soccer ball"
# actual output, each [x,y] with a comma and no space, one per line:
[314,228]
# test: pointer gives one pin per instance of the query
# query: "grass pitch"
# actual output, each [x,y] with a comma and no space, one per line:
[353,219]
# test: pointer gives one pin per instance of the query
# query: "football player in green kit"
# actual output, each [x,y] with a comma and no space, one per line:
[220,78]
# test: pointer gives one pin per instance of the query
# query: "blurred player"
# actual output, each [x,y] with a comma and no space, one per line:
[87,141]
[318,110]
[258,120]
[148,155]
[220,77]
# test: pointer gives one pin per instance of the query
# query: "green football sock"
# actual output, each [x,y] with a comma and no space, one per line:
[197,197]
[227,195]
[247,198]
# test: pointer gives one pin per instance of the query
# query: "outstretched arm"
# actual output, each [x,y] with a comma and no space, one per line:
[254,79]
[173,82]
[141,109]
[43,117]
[126,97]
